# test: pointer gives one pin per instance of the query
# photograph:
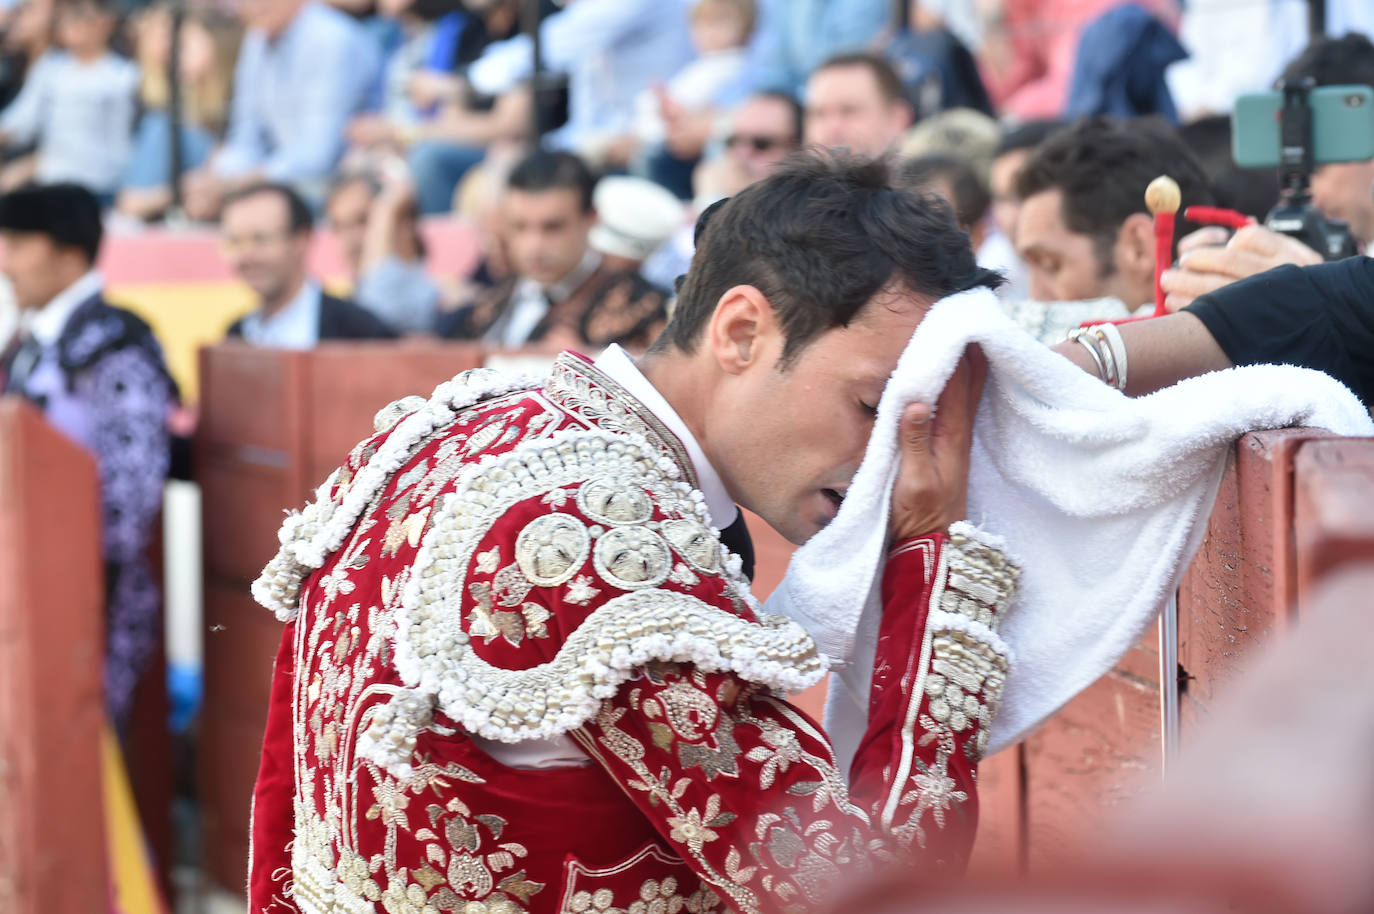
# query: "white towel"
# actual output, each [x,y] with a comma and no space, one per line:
[1101,498]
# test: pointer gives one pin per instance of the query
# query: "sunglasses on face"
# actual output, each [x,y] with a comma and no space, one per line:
[756,143]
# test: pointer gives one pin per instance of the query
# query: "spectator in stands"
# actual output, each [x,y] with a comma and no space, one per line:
[800,36]
[955,181]
[562,292]
[720,31]
[856,101]
[1028,54]
[998,251]
[209,46]
[430,31]
[1083,227]
[25,34]
[610,51]
[450,125]
[764,129]
[960,132]
[303,71]
[98,376]
[77,103]
[934,65]
[1007,160]
[375,225]
[265,233]
[1341,190]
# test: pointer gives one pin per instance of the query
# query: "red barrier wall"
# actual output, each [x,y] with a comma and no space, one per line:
[52,831]
[276,423]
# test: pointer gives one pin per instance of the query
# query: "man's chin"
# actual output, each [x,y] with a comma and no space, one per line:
[803,530]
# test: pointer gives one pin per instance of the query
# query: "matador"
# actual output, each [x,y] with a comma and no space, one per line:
[522,668]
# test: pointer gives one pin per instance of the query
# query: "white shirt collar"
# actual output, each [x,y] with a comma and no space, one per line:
[619,367]
[556,292]
[45,324]
[295,326]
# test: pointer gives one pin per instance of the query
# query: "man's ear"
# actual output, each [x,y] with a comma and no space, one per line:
[739,328]
[1135,245]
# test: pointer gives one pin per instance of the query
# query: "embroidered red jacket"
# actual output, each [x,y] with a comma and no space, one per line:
[504,564]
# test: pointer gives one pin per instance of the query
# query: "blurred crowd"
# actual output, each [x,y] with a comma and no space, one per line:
[585,174]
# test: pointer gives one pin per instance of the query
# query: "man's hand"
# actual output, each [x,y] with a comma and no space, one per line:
[431,87]
[368,130]
[687,131]
[201,195]
[1208,262]
[931,491]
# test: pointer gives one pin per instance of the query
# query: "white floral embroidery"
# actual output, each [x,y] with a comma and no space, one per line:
[489,561]
[581,591]
[683,575]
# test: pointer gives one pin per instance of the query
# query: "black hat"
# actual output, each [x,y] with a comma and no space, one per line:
[69,214]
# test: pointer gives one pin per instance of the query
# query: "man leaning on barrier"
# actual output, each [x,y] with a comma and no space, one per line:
[522,669]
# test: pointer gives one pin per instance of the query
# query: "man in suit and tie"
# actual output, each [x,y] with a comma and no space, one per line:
[265,234]
[97,374]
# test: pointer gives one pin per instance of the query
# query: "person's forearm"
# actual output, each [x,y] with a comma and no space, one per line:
[379,236]
[1160,352]
[507,120]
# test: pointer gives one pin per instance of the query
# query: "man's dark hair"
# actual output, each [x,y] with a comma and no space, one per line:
[542,170]
[300,218]
[1026,136]
[1102,166]
[1344,61]
[347,179]
[820,237]
[794,108]
[889,83]
[971,198]
[69,214]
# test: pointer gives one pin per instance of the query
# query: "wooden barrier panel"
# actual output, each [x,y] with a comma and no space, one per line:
[274,425]
[1333,512]
[52,832]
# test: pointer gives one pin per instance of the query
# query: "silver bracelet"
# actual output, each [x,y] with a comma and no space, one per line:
[1080,336]
[1110,335]
[1108,358]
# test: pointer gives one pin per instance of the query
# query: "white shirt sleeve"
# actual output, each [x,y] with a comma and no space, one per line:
[24,116]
